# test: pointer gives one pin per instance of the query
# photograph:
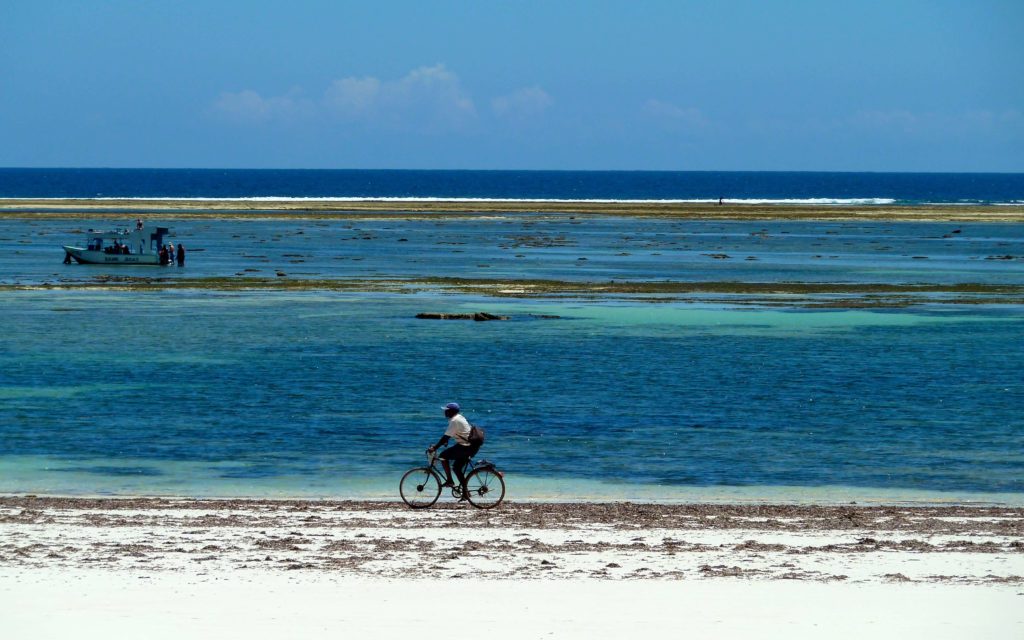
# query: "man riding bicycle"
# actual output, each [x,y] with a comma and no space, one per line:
[460,452]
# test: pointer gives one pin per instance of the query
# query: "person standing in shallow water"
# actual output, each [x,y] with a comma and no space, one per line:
[181,255]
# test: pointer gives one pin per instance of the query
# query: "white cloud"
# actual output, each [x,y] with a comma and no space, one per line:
[676,117]
[980,121]
[429,99]
[1007,121]
[425,98]
[524,103]
[250,107]
[352,96]
[434,94]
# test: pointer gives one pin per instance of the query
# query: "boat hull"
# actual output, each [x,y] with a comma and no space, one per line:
[84,256]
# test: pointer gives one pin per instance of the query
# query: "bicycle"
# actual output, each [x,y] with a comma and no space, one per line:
[421,487]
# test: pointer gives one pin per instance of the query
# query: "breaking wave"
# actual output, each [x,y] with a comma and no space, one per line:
[400,199]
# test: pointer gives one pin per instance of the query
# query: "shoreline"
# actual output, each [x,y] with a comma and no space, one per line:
[724,500]
[762,505]
[318,209]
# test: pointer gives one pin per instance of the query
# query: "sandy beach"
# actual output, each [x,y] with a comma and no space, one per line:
[165,567]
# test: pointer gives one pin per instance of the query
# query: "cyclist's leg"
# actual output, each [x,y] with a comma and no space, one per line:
[471,451]
[447,455]
[460,458]
[460,471]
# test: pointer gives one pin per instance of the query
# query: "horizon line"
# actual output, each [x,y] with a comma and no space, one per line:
[438,170]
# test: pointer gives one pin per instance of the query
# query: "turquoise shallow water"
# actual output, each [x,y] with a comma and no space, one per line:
[255,393]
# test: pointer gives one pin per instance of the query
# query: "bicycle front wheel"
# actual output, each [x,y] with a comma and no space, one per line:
[420,487]
[485,488]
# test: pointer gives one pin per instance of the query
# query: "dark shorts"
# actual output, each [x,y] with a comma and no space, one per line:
[459,452]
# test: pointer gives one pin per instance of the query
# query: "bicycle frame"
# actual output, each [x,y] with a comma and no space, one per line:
[420,487]
[438,467]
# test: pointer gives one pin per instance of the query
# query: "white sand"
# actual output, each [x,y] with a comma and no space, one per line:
[115,604]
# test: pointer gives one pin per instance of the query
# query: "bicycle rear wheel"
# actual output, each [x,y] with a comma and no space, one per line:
[485,488]
[420,487]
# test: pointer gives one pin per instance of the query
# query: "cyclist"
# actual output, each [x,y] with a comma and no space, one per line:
[460,452]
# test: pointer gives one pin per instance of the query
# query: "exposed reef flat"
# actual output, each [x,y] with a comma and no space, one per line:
[313,209]
[789,294]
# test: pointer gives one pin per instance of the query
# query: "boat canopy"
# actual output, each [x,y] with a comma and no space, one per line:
[135,239]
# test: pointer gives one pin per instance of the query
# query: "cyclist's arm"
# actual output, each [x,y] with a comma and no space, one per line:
[440,443]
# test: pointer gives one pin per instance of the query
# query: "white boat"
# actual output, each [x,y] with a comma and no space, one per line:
[139,246]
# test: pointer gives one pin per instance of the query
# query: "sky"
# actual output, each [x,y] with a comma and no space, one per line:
[780,85]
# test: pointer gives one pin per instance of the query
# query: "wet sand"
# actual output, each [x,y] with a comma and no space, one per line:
[315,209]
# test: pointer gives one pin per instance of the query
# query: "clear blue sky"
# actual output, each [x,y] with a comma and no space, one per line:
[718,85]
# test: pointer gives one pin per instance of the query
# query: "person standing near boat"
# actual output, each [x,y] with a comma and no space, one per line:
[181,255]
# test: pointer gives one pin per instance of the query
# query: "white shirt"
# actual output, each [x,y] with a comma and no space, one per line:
[458,428]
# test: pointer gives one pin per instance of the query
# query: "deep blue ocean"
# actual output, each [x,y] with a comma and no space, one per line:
[897,188]
[336,393]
